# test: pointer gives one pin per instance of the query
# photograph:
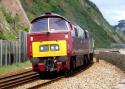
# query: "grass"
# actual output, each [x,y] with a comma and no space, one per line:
[14,67]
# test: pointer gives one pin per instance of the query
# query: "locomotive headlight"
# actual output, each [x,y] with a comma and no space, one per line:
[44,48]
[57,47]
[54,47]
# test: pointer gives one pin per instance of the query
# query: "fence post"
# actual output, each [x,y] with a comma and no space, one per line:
[19,47]
[1,53]
[13,52]
[22,42]
[25,46]
[6,62]
[8,45]
[16,52]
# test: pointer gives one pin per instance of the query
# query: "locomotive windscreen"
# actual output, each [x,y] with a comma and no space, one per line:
[49,24]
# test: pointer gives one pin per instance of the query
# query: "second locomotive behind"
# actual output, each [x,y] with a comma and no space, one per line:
[56,44]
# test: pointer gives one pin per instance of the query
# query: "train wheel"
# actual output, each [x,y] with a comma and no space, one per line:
[86,60]
[67,73]
[73,63]
[43,75]
[91,57]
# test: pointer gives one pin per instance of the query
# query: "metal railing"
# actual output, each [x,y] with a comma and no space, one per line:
[13,51]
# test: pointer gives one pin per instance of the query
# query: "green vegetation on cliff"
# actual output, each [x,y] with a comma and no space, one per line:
[9,24]
[5,28]
[83,12]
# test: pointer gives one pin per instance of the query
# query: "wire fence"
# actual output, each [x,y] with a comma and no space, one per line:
[13,51]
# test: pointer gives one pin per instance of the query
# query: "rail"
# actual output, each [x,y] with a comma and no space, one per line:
[77,71]
[18,79]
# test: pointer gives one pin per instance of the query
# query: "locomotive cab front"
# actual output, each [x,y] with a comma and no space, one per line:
[48,43]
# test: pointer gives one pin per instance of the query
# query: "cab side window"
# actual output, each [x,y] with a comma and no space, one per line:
[73,33]
[76,32]
[86,34]
[81,32]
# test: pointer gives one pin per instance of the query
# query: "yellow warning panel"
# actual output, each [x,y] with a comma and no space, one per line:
[38,53]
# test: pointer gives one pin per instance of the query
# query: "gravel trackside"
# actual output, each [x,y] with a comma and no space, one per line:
[101,75]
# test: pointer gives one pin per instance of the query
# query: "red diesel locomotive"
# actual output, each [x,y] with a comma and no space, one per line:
[56,44]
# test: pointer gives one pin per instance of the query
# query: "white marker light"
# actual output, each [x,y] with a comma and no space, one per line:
[66,36]
[31,38]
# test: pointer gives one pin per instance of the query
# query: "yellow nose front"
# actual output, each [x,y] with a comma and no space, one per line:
[46,46]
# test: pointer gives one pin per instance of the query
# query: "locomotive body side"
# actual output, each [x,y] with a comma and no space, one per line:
[82,46]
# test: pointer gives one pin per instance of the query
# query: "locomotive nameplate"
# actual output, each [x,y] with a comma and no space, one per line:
[61,52]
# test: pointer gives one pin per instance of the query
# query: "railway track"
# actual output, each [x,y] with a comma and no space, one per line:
[46,83]
[17,79]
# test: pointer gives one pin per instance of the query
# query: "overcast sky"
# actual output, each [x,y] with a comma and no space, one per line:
[112,10]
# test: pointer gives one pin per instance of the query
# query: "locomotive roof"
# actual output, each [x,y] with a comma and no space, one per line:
[47,15]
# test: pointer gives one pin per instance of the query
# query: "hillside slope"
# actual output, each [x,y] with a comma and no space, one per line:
[6,24]
[15,7]
[12,19]
[120,26]
[83,12]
